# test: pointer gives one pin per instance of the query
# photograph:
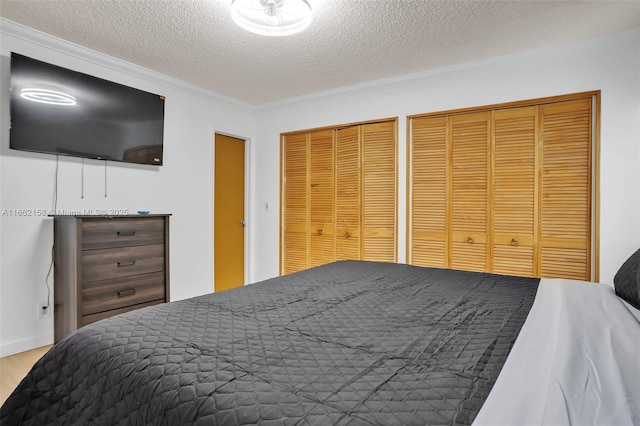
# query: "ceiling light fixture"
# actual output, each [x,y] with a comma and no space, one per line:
[45,96]
[272,17]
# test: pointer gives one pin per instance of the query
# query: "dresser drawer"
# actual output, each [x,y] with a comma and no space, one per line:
[100,296]
[121,232]
[88,319]
[112,263]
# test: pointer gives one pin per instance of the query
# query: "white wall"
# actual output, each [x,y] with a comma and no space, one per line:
[182,186]
[610,64]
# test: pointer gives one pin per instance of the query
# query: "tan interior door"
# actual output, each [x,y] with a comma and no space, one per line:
[229,220]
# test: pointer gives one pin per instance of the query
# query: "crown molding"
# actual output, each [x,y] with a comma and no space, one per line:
[446,72]
[47,41]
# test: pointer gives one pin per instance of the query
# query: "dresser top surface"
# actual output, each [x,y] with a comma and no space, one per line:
[109,216]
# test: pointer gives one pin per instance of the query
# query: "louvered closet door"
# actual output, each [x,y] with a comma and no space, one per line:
[295,204]
[321,190]
[379,191]
[347,190]
[429,192]
[469,189]
[565,190]
[514,200]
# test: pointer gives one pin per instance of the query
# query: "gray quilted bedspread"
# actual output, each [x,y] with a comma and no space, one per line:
[351,343]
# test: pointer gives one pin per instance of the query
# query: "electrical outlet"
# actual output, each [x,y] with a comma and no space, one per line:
[44,311]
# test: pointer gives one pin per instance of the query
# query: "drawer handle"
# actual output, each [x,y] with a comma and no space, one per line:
[124,293]
[126,233]
[126,263]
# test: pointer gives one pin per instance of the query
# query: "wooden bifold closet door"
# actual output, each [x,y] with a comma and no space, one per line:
[506,190]
[295,207]
[321,198]
[565,210]
[515,215]
[379,191]
[348,190]
[338,195]
[429,208]
[469,146]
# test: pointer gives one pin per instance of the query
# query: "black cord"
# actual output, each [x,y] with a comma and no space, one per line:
[55,187]
[82,180]
[55,209]
[46,280]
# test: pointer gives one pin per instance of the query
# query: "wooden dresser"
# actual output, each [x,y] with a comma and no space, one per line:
[108,265]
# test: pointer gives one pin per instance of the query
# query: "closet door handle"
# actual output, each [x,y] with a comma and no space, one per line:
[513,242]
[470,240]
[347,234]
[319,231]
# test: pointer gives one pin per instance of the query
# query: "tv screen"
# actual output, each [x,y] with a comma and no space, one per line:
[59,111]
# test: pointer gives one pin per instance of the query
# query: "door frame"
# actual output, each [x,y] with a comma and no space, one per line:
[247,203]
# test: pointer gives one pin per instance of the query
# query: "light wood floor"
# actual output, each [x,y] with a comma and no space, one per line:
[13,369]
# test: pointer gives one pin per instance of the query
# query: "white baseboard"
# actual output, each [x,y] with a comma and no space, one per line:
[26,344]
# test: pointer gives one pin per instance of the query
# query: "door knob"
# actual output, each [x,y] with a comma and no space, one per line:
[242,222]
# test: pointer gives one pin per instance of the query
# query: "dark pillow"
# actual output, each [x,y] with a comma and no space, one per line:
[627,280]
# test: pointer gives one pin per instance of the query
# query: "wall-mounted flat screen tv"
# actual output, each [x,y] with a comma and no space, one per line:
[59,111]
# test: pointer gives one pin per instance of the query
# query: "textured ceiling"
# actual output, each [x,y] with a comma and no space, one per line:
[348,42]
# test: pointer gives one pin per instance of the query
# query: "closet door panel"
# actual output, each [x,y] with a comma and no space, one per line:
[429,192]
[565,262]
[379,191]
[514,191]
[347,193]
[566,188]
[295,204]
[321,203]
[468,256]
[469,189]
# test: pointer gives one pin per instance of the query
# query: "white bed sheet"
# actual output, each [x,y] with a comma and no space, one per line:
[576,361]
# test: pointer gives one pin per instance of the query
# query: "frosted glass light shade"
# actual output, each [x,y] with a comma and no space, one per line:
[271,17]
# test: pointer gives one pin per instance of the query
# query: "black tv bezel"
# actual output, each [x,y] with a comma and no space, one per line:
[78,154]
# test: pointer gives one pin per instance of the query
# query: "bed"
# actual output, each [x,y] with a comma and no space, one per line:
[351,343]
